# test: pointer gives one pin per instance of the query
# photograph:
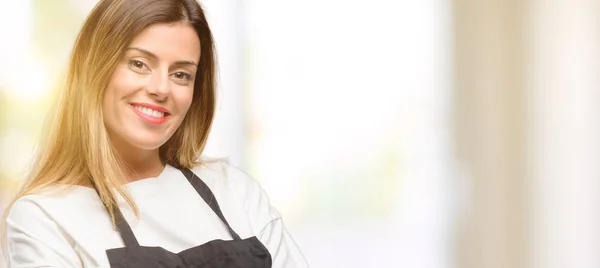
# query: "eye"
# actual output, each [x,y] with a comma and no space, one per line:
[138,65]
[183,76]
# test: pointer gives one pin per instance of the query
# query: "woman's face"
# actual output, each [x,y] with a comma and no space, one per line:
[152,86]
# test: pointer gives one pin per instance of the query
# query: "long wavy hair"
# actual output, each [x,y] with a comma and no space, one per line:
[77,149]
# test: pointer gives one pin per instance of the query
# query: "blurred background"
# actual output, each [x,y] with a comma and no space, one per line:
[430,133]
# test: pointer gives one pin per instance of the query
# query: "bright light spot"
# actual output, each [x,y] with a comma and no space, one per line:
[29,81]
[20,75]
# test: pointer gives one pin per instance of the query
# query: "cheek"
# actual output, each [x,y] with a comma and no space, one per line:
[184,100]
[118,87]
[111,92]
[121,83]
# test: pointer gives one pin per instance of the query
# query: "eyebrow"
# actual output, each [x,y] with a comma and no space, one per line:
[152,55]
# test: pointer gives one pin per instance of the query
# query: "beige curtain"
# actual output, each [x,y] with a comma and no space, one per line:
[527,131]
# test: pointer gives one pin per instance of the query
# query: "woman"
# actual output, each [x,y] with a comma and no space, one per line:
[119,183]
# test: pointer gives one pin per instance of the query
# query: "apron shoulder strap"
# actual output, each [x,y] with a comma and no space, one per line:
[208,196]
[123,227]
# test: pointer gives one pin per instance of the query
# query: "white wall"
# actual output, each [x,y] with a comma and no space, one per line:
[564,125]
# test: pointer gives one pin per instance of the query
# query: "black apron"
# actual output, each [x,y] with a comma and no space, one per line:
[236,253]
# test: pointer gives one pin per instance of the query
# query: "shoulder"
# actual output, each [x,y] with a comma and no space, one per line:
[34,235]
[29,213]
[223,176]
[220,173]
[36,204]
[27,207]
[49,206]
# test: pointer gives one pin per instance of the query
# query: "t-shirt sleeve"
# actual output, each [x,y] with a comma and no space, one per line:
[35,240]
[267,223]
[283,249]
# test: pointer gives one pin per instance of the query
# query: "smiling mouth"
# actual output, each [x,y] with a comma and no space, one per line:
[150,112]
[149,115]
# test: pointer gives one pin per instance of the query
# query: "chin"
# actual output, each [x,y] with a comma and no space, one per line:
[146,142]
[148,145]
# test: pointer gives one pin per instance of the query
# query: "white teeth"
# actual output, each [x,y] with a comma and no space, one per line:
[149,112]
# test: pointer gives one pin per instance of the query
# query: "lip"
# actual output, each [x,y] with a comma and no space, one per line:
[149,119]
[151,106]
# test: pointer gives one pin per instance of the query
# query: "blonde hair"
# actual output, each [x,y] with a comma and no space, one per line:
[77,149]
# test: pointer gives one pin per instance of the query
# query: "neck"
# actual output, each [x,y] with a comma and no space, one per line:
[140,163]
[143,164]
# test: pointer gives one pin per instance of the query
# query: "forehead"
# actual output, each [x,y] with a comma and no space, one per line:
[169,41]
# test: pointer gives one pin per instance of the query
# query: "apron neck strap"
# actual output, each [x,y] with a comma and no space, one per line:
[209,198]
[123,227]
[203,190]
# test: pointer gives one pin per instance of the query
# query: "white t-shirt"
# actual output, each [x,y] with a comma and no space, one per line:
[73,229]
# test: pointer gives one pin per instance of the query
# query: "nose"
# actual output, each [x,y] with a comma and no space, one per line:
[159,88]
